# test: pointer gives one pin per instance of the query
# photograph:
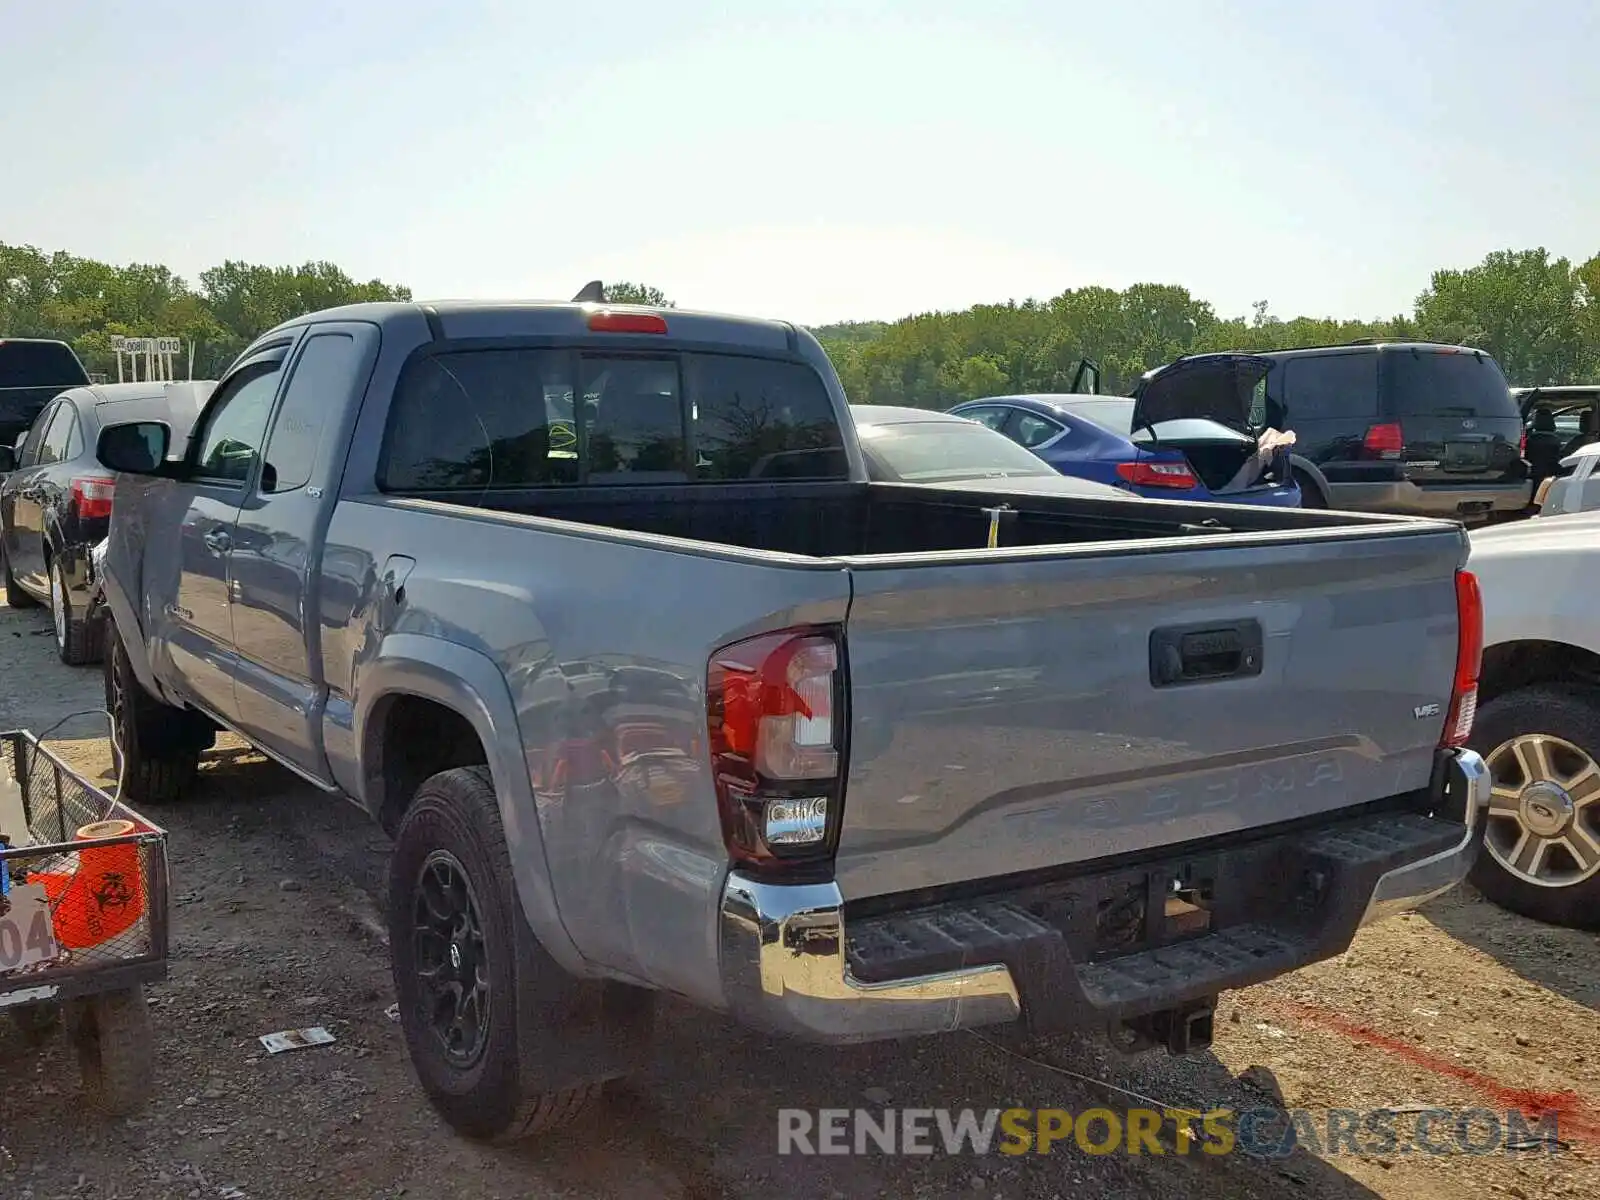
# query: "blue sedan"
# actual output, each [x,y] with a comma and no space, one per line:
[1185,434]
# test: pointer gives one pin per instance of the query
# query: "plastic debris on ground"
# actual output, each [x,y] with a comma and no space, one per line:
[296,1039]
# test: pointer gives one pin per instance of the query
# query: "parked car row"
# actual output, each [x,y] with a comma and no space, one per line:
[1400,427]
[55,505]
[1184,434]
[668,670]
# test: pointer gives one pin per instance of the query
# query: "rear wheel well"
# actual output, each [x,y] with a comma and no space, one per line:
[1514,665]
[416,739]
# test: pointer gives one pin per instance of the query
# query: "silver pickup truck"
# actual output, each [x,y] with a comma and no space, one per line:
[596,612]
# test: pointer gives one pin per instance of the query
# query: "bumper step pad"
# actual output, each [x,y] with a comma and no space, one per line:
[1043,932]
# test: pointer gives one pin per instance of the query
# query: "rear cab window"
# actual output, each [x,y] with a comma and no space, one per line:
[482,419]
[39,364]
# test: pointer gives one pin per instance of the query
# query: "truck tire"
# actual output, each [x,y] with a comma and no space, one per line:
[79,641]
[1541,851]
[462,995]
[116,1058]
[157,747]
[15,596]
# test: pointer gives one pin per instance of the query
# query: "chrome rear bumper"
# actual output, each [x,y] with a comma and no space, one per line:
[1404,888]
[784,969]
[785,957]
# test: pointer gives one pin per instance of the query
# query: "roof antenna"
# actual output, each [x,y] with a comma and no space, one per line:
[593,292]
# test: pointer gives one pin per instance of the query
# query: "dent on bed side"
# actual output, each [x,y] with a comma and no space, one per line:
[469,684]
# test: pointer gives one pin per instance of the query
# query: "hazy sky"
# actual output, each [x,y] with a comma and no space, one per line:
[812,160]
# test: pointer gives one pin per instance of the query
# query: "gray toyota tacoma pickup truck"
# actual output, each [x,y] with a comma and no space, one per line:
[597,613]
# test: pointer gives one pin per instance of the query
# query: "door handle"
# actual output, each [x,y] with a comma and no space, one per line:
[1205,653]
[218,540]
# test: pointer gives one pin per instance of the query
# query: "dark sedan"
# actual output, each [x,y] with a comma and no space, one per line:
[56,505]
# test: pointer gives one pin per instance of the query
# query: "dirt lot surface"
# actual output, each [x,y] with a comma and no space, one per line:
[276,926]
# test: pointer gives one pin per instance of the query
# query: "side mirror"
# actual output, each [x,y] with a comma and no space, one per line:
[137,448]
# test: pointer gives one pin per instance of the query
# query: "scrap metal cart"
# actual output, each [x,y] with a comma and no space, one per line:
[83,919]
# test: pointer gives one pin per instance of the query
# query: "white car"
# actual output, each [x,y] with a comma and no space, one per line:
[1578,492]
[1538,723]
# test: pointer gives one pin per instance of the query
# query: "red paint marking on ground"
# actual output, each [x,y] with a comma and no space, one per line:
[1575,1118]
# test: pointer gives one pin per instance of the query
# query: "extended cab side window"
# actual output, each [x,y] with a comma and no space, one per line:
[230,444]
[323,374]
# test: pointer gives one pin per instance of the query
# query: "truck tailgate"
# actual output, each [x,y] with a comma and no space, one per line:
[1006,714]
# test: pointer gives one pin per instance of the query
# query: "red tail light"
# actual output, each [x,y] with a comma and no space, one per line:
[772,704]
[1469,658]
[1156,474]
[606,321]
[92,494]
[1522,445]
[1383,441]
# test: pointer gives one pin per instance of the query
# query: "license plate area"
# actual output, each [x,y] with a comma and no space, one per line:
[1158,906]
[1466,456]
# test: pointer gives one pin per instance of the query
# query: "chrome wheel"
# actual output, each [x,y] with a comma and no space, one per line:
[58,603]
[1544,810]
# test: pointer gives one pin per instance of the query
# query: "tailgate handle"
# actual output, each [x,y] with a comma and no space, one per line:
[1204,653]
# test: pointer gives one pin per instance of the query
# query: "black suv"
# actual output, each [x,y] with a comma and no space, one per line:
[1401,427]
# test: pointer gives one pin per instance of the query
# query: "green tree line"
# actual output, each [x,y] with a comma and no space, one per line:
[87,303]
[1538,315]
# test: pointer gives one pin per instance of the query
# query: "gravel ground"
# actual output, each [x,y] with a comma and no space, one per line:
[276,926]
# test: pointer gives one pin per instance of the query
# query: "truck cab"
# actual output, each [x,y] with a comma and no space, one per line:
[33,371]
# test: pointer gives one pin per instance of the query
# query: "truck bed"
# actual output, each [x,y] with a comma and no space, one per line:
[1005,714]
[829,520]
